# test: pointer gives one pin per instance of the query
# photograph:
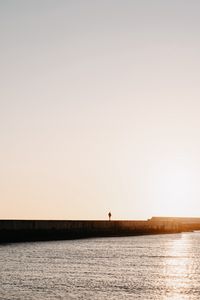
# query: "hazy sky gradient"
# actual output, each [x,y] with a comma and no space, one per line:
[99,108]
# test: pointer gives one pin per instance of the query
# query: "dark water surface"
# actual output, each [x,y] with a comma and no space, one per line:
[143,267]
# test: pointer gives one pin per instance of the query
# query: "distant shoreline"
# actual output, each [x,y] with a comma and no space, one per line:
[45,230]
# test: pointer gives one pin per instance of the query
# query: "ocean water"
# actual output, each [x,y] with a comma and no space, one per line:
[142,267]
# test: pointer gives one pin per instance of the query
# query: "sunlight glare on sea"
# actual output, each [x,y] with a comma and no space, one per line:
[144,267]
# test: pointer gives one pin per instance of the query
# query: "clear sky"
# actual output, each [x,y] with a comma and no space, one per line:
[99,108]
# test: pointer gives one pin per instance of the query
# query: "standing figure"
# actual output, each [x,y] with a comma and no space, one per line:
[109,215]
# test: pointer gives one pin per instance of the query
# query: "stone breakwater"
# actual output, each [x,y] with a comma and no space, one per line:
[39,230]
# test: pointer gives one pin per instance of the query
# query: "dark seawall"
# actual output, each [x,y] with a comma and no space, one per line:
[40,230]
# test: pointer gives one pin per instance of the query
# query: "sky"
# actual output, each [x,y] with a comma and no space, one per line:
[99,109]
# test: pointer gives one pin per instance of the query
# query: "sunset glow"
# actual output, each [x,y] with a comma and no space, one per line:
[99,109]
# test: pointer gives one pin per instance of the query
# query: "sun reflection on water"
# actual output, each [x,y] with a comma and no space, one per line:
[178,269]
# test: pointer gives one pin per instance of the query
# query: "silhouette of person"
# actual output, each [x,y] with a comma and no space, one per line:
[109,215]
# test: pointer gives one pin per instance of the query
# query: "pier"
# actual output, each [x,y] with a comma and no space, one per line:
[40,230]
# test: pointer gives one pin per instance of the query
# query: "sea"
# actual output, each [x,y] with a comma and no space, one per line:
[139,267]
